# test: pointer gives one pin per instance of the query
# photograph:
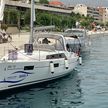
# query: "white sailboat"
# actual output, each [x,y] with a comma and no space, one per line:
[44,58]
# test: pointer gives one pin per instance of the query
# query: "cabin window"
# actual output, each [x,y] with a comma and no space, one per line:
[56,65]
[28,67]
[56,56]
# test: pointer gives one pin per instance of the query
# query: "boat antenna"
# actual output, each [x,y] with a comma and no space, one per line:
[32,22]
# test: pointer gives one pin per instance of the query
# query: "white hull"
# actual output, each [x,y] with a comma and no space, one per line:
[14,75]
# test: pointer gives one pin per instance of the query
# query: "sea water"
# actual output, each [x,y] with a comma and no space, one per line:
[85,87]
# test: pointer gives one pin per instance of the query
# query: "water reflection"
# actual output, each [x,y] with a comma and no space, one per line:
[67,93]
[86,88]
[61,93]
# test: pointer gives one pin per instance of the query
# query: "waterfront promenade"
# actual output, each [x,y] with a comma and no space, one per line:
[17,41]
[97,32]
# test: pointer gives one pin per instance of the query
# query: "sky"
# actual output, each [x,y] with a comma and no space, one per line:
[103,3]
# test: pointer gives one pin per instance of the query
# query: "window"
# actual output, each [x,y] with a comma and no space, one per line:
[28,67]
[56,65]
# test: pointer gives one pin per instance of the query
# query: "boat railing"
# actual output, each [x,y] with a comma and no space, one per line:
[44,47]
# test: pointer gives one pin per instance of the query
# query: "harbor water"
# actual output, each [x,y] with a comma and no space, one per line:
[85,87]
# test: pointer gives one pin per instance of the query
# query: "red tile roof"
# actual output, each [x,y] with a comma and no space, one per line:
[55,2]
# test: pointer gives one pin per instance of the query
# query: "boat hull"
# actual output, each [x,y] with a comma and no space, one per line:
[16,74]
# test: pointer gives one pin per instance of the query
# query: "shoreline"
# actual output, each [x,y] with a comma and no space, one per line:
[17,41]
[20,39]
[97,32]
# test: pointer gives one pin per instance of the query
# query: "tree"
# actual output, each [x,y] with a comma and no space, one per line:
[84,24]
[22,18]
[43,1]
[106,24]
[72,22]
[11,16]
[26,17]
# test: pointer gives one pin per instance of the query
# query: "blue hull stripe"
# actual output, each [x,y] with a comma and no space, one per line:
[39,81]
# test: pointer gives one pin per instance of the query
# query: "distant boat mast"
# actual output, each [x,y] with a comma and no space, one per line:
[32,21]
[2,6]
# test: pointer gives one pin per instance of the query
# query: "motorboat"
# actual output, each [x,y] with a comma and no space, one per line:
[45,57]
[73,43]
[82,37]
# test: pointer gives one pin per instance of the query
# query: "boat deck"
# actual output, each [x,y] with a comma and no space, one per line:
[17,41]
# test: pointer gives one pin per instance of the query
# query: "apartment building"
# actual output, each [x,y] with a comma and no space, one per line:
[104,13]
[25,5]
[88,11]
[81,9]
[54,8]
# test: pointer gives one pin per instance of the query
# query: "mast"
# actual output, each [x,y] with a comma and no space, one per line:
[32,22]
[2,6]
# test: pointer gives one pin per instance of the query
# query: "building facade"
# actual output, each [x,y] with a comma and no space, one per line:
[81,9]
[104,12]
[88,11]
[25,5]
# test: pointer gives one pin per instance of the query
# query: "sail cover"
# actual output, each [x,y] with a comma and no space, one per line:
[2,5]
